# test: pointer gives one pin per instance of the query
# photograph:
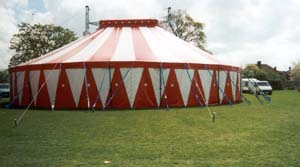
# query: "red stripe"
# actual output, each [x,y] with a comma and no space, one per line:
[106,51]
[142,50]
[73,52]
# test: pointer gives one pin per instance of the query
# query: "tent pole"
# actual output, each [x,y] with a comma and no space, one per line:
[110,89]
[164,85]
[86,87]
[160,82]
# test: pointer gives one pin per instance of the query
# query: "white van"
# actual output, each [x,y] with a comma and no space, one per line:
[259,87]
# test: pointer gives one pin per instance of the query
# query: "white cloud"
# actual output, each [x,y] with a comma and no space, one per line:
[242,32]
[8,27]
[238,32]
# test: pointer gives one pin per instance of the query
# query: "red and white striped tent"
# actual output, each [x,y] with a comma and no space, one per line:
[125,64]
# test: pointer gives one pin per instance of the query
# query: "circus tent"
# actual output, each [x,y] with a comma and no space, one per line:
[125,64]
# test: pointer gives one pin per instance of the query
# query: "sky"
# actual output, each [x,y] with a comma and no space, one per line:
[238,32]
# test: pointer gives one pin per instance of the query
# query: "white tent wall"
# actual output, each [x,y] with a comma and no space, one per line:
[20,85]
[103,82]
[34,77]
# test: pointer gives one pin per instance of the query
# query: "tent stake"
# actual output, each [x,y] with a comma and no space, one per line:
[16,122]
[214,116]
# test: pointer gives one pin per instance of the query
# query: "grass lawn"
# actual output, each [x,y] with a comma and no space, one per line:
[243,135]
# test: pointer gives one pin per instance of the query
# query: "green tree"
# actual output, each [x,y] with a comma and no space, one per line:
[263,73]
[295,72]
[181,24]
[252,71]
[35,40]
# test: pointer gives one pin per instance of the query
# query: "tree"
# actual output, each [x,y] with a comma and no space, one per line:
[263,73]
[295,72]
[252,71]
[35,40]
[181,24]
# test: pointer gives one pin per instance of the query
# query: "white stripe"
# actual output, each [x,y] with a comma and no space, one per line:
[154,74]
[131,82]
[206,78]
[180,50]
[233,78]
[64,51]
[173,49]
[186,51]
[184,83]
[34,83]
[159,49]
[125,49]
[101,75]
[75,77]
[222,84]
[90,49]
[51,77]
[20,84]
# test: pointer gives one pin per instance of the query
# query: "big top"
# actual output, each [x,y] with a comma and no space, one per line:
[125,64]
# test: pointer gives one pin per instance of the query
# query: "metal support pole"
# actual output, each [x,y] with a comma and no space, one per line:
[87,20]
[110,87]
[169,14]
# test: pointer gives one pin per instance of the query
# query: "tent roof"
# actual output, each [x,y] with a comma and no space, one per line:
[128,40]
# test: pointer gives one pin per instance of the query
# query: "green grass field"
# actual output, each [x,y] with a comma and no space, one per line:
[243,135]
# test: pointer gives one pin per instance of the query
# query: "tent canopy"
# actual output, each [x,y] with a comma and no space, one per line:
[128,40]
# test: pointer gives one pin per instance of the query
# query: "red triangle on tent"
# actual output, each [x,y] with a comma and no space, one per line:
[214,90]
[227,90]
[172,94]
[43,99]
[118,92]
[145,96]
[92,92]
[196,92]
[64,97]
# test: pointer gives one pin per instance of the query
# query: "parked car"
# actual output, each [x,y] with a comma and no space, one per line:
[4,90]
